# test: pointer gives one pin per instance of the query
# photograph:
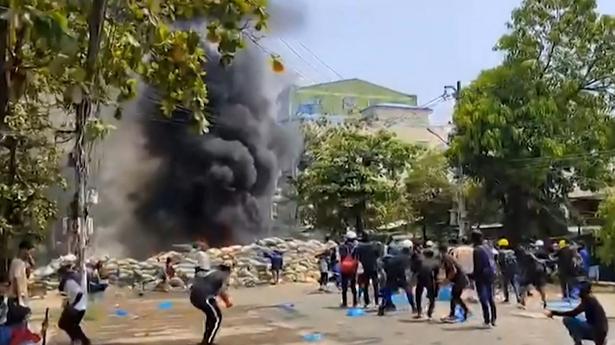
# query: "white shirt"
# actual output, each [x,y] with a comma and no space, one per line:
[17,274]
[465,257]
[72,289]
[202,260]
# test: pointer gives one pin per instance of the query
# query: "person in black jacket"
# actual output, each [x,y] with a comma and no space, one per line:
[368,253]
[595,328]
[203,295]
[427,276]
[456,276]
[395,268]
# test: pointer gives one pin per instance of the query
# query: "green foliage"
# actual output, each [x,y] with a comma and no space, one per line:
[429,191]
[44,50]
[522,127]
[481,208]
[606,251]
[352,177]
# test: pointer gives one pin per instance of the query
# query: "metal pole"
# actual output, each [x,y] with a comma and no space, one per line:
[461,205]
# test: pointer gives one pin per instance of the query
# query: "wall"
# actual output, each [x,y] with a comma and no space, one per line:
[346,97]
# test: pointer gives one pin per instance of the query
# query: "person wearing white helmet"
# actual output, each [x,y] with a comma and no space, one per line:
[349,265]
[539,244]
[406,244]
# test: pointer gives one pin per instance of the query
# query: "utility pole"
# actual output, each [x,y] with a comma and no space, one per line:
[461,205]
[78,240]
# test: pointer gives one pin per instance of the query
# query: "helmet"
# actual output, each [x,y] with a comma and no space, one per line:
[539,243]
[503,242]
[351,235]
[562,243]
[406,244]
[429,244]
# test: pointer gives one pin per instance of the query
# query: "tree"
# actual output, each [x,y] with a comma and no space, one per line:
[522,127]
[353,178]
[430,194]
[481,208]
[606,212]
[80,55]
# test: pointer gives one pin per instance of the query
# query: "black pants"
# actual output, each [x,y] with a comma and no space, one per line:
[566,282]
[213,318]
[432,293]
[456,292]
[349,281]
[70,321]
[510,279]
[324,279]
[364,280]
[487,301]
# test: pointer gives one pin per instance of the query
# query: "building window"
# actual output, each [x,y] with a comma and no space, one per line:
[349,103]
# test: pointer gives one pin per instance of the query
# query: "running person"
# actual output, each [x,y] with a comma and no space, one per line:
[456,276]
[203,295]
[534,273]
[507,261]
[427,275]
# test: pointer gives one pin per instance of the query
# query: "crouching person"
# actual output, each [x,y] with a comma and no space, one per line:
[75,306]
[595,328]
[203,295]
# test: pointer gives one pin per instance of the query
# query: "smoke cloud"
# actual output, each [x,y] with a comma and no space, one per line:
[168,185]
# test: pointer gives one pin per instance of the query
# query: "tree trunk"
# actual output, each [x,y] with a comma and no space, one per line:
[360,227]
[517,218]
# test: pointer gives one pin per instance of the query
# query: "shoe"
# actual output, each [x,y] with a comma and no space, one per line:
[506,301]
[417,317]
[380,311]
[448,319]
[493,323]
[487,325]
[343,305]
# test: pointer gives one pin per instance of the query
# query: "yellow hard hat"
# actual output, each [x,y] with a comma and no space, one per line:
[503,242]
[562,243]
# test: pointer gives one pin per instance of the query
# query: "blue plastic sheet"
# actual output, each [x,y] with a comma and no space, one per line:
[355,312]
[121,312]
[459,315]
[312,337]
[166,305]
[400,299]
[445,294]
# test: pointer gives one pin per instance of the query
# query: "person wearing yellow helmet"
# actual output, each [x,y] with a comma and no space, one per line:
[503,243]
[507,261]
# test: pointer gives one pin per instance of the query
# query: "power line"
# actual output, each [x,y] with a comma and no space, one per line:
[296,53]
[320,60]
[269,52]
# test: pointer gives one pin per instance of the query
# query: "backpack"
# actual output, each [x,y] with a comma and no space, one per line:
[349,264]
[508,261]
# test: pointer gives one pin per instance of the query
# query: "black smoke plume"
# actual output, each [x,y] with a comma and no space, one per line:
[218,186]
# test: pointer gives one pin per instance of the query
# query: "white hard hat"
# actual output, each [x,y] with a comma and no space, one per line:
[429,244]
[406,244]
[351,235]
[539,243]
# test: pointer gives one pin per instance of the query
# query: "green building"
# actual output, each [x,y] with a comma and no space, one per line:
[343,98]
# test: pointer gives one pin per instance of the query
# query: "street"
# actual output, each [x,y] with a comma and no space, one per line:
[258,318]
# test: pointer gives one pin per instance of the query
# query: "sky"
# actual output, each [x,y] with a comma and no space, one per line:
[414,46]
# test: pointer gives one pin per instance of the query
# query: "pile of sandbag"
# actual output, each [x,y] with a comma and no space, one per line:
[250,265]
